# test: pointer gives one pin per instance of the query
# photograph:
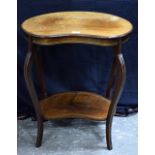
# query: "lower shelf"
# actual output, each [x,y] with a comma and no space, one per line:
[75,105]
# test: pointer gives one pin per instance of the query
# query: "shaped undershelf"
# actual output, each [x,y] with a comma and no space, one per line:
[75,105]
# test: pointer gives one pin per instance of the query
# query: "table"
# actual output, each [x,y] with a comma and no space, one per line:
[83,27]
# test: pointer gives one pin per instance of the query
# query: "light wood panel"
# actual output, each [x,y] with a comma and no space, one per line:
[75,105]
[88,24]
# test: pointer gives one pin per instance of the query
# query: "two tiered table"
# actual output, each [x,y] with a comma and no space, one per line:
[76,27]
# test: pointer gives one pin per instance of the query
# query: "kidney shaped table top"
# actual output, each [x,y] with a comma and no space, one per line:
[76,27]
[74,24]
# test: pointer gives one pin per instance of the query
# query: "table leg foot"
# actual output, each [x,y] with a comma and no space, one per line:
[39,133]
[108,136]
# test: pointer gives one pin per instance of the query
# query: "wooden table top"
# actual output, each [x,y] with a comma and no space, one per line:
[88,24]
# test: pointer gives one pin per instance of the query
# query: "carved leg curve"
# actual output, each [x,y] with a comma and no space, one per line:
[121,71]
[112,74]
[32,93]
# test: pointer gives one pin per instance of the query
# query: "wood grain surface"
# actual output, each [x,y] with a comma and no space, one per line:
[88,24]
[75,105]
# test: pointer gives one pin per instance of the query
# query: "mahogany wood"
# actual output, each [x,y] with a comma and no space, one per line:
[75,105]
[90,24]
[76,27]
[32,92]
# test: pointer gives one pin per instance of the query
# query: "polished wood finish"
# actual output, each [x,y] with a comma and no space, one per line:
[75,105]
[77,39]
[76,27]
[30,86]
[90,24]
[120,76]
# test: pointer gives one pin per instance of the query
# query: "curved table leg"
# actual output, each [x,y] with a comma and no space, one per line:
[32,93]
[121,71]
[112,75]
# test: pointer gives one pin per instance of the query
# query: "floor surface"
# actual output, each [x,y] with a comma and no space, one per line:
[78,137]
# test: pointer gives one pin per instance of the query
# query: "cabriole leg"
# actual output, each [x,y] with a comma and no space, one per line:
[32,93]
[119,84]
